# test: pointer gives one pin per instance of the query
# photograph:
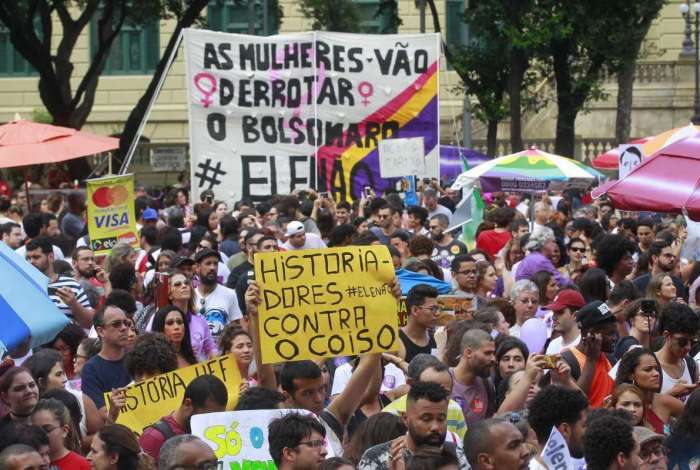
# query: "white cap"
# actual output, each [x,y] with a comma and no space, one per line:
[294,227]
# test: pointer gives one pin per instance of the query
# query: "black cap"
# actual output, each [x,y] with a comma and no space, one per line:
[205,253]
[180,260]
[594,314]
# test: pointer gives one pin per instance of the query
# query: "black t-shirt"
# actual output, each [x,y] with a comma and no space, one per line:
[412,349]
[443,255]
[623,345]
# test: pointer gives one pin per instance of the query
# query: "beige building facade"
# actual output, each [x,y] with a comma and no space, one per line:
[663,92]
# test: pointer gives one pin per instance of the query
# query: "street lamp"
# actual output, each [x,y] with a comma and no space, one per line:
[685,11]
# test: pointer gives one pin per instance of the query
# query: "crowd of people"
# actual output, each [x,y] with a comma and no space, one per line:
[617,376]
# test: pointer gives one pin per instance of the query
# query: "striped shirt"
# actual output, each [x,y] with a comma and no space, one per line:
[72,284]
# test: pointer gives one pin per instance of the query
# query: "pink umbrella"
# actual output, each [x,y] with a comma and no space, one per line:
[25,143]
[668,182]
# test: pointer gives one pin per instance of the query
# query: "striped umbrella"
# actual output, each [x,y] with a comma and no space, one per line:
[531,170]
[25,306]
[648,145]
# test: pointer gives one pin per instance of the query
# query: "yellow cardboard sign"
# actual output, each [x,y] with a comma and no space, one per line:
[150,400]
[111,215]
[326,303]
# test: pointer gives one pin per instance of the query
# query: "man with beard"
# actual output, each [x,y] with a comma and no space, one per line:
[64,291]
[472,389]
[385,224]
[34,227]
[446,246]
[205,394]
[217,303]
[426,419]
[496,444]
[85,268]
[662,260]
[564,409]
[588,360]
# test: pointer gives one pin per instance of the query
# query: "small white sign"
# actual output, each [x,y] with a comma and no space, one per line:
[630,157]
[401,157]
[555,454]
[169,159]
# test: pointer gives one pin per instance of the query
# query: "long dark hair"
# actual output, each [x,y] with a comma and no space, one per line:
[40,365]
[186,343]
[594,285]
[508,344]
[122,441]
[629,362]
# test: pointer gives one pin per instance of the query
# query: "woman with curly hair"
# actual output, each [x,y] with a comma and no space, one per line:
[641,368]
[613,254]
[486,279]
[153,354]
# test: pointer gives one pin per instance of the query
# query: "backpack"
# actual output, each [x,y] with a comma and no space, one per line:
[570,359]
[164,428]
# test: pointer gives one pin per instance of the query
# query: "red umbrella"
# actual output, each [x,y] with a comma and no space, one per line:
[31,143]
[668,182]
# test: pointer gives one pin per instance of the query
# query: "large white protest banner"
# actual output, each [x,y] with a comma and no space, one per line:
[239,439]
[271,114]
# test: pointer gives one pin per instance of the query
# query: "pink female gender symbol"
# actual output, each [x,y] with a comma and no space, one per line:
[207,77]
[365,89]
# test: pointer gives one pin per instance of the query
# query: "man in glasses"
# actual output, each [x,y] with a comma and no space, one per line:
[464,275]
[385,223]
[105,371]
[297,441]
[423,312]
[652,452]
[662,260]
[187,452]
[679,325]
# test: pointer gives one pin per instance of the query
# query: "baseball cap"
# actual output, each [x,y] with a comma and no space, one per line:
[205,253]
[594,314]
[644,435]
[180,260]
[566,298]
[150,214]
[294,227]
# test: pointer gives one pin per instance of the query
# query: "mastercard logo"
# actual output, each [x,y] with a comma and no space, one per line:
[109,196]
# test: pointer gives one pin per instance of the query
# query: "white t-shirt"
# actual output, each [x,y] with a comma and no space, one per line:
[393,378]
[668,382]
[220,307]
[557,345]
[312,242]
[440,209]
[57,253]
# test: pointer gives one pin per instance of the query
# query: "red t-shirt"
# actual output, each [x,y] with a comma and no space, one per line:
[72,461]
[492,241]
[152,440]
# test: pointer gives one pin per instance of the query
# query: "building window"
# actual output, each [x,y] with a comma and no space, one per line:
[373,19]
[231,16]
[455,27]
[12,64]
[135,50]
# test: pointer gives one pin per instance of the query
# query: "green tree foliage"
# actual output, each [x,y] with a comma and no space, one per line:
[331,15]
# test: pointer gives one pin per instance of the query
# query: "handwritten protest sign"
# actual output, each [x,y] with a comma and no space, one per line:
[268,115]
[401,157]
[150,400]
[326,303]
[452,307]
[239,439]
[111,217]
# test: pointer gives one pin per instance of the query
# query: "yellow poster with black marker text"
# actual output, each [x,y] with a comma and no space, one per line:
[326,303]
[151,399]
[111,215]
